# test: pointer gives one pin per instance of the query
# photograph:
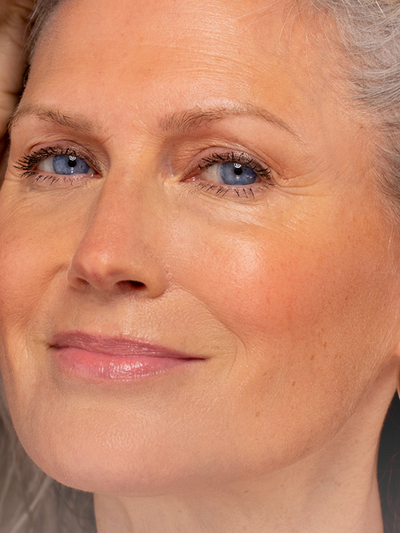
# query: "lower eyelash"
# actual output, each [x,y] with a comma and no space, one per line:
[28,162]
[50,178]
[221,190]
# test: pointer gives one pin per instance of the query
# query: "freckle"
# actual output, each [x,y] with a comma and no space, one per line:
[246,492]
[293,383]
[324,344]
[312,357]
[258,414]
[265,373]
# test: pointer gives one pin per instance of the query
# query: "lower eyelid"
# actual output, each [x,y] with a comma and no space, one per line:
[251,192]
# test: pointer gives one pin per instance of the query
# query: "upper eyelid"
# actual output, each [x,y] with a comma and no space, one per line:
[241,157]
[264,171]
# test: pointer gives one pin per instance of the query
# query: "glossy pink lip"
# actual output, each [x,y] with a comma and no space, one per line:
[100,358]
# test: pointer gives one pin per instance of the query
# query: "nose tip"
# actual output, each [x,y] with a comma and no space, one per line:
[125,270]
[121,244]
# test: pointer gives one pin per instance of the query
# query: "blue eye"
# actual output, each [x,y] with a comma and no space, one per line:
[234,170]
[65,165]
[69,164]
[232,173]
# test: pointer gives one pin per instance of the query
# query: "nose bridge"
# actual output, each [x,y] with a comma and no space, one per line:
[121,245]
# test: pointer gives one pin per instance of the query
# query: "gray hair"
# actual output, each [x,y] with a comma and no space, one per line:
[368,32]
[31,501]
[369,35]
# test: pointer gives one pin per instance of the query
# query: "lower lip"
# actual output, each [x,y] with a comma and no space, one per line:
[94,366]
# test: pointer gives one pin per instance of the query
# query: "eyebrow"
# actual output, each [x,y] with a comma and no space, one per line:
[76,123]
[190,120]
[179,122]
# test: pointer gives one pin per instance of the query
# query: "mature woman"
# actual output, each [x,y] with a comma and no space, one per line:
[30,501]
[200,260]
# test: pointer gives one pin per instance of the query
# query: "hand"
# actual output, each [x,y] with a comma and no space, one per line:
[14,15]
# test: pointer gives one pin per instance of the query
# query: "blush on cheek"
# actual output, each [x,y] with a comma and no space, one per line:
[25,274]
[272,289]
[28,266]
[253,290]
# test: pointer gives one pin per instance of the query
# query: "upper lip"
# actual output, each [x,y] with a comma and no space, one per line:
[117,346]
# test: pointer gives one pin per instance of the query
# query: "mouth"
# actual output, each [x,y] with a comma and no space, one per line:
[97,358]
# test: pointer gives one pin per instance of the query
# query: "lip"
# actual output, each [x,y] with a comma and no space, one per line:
[97,358]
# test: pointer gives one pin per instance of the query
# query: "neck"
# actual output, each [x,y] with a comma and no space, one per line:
[333,490]
[285,502]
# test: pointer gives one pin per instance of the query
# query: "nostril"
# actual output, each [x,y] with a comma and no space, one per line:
[128,284]
[136,284]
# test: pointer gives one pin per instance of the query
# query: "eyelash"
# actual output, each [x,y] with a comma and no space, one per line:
[28,163]
[249,191]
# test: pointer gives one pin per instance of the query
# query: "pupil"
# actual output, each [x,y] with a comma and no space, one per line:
[238,170]
[67,165]
[237,174]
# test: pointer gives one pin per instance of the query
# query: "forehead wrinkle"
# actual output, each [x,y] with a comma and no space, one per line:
[191,119]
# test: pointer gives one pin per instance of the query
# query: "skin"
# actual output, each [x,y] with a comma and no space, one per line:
[291,297]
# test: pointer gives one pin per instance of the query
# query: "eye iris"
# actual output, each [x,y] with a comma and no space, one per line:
[69,164]
[237,174]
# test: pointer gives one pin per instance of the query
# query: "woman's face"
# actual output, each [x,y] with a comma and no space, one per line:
[190,175]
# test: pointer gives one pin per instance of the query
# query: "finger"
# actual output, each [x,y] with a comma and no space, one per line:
[13,27]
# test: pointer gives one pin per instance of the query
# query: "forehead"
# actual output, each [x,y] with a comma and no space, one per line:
[180,53]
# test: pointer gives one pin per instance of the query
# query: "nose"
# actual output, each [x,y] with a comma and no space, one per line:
[120,248]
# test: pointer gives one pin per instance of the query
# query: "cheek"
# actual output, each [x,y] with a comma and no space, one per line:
[312,317]
[37,240]
[300,305]
[27,269]
[260,285]
[21,285]
[32,254]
